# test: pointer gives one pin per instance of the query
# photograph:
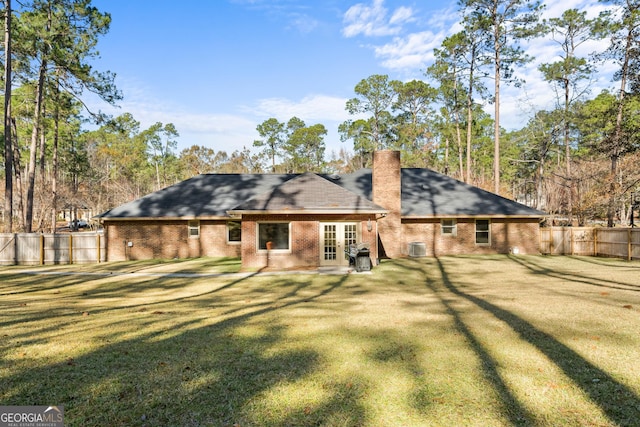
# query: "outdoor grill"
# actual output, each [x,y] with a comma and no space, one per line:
[359,256]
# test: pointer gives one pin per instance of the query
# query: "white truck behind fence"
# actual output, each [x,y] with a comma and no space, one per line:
[40,249]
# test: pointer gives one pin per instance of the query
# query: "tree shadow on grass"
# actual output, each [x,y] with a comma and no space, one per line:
[617,401]
[603,283]
[606,262]
[511,407]
[192,375]
[68,315]
[31,284]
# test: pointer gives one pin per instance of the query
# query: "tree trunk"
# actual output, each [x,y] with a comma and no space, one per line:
[42,147]
[540,183]
[33,154]
[617,136]
[496,125]
[54,160]
[157,176]
[8,149]
[457,120]
[446,157]
[470,116]
[567,151]
[17,169]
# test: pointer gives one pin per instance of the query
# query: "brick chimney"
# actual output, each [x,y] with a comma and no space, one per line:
[387,193]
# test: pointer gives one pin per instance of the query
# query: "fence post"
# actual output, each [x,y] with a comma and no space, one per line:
[595,242]
[70,248]
[41,249]
[629,244]
[571,237]
[98,248]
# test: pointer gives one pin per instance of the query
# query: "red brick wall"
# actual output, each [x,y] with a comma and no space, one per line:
[169,239]
[305,240]
[386,181]
[506,233]
[166,239]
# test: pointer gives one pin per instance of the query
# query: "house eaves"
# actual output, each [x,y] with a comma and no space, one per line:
[461,216]
[337,211]
[167,218]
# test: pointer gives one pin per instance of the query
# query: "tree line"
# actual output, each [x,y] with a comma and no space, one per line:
[51,162]
[578,160]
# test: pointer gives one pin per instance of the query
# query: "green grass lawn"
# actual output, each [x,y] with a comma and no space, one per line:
[454,341]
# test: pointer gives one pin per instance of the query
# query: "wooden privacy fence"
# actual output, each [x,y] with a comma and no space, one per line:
[39,249]
[591,241]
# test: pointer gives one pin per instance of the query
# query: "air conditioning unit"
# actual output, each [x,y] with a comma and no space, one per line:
[417,249]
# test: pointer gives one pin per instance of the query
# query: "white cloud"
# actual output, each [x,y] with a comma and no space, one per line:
[228,132]
[303,23]
[222,132]
[555,8]
[312,109]
[401,15]
[445,18]
[372,20]
[411,52]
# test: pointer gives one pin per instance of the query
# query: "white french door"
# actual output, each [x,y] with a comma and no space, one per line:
[335,238]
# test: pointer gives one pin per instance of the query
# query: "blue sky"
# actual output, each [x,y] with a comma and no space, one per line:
[218,68]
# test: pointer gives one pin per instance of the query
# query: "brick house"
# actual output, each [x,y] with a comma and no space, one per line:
[308,220]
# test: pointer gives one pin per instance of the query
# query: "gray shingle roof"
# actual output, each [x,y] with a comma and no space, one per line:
[424,193]
[429,193]
[203,196]
[309,193]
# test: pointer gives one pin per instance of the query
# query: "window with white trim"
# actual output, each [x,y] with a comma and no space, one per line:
[275,232]
[448,227]
[234,231]
[483,232]
[194,228]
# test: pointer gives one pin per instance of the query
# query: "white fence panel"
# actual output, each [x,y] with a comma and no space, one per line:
[593,241]
[7,249]
[34,249]
[87,247]
[28,248]
[613,242]
[635,244]
[56,248]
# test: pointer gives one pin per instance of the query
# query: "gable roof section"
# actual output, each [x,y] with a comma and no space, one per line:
[203,196]
[426,193]
[308,193]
